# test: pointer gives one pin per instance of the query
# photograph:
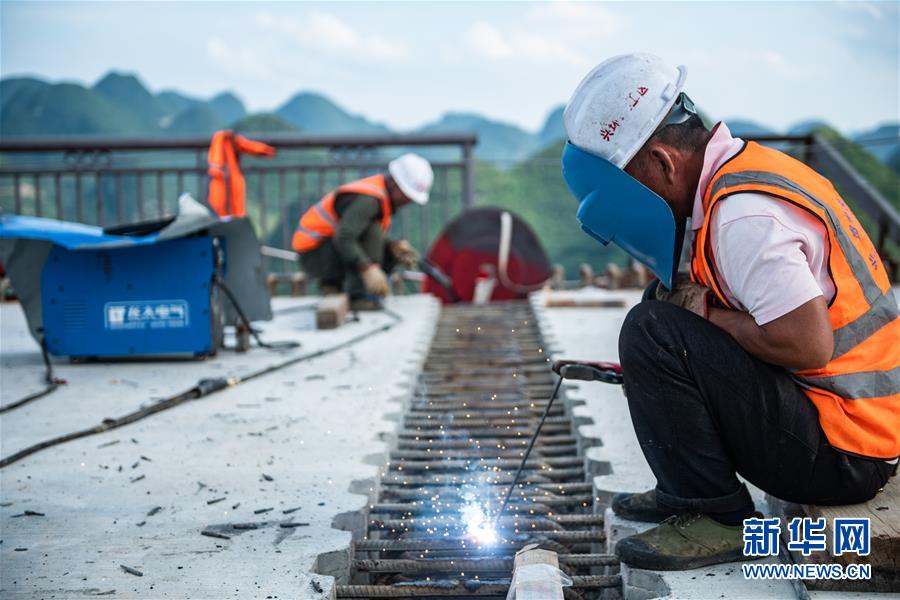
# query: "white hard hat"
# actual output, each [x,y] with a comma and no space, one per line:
[413,176]
[620,103]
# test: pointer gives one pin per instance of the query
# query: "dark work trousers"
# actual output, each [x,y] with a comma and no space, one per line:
[704,409]
[325,264]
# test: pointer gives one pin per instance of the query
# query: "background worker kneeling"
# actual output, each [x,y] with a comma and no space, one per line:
[342,239]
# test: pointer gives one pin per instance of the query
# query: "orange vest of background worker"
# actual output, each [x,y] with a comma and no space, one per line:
[320,222]
[342,239]
[857,393]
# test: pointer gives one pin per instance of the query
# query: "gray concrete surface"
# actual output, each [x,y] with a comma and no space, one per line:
[593,334]
[302,438]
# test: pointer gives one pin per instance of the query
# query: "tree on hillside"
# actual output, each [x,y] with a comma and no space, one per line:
[263,123]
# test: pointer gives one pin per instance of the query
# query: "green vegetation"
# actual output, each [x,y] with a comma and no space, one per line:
[498,142]
[263,123]
[119,104]
[316,114]
[196,119]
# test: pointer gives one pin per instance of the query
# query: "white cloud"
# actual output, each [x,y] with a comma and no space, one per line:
[775,60]
[326,33]
[577,18]
[487,41]
[239,60]
[870,8]
[535,46]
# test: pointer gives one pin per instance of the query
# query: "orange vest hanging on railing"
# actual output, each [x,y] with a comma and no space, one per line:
[857,393]
[321,220]
[228,197]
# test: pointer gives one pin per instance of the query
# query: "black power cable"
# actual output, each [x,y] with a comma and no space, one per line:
[537,432]
[51,381]
[286,345]
[203,387]
[54,382]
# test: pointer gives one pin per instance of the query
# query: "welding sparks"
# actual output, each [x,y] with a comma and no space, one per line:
[478,527]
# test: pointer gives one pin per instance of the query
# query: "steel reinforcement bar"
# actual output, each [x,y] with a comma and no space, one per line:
[429,533]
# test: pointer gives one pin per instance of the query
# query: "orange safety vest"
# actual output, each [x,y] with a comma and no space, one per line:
[228,199]
[857,393]
[321,220]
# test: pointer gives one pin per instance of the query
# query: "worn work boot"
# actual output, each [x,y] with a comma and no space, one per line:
[683,542]
[639,507]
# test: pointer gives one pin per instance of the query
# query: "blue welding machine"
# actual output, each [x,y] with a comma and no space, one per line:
[126,293]
[154,299]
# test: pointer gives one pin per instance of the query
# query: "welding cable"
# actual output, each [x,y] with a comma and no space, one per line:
[51,381]
[515,480]
[202,388]
[285,345]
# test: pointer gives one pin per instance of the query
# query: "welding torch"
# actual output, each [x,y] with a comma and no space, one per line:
[580,370]
[435,272]
[606,372]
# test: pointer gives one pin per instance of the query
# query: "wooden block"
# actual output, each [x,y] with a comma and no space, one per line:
[558,280]
[564,299]
[587,274]
[883,512]
[614,276]
[296,280]
[548,587]
[272,283]
[331,312]
[298,284]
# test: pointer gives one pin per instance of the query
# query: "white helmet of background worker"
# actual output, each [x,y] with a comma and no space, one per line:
[615,109]
[413,175]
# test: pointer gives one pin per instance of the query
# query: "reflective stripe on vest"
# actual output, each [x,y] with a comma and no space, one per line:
[882,307]
[324,214]
[320,221]
[857,393]
[857,263]
[871,384]
[865,326]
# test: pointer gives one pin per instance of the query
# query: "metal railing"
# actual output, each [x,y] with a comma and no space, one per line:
[112,181]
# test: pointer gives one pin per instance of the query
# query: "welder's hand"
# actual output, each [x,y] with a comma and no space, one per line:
[375,280]
[686,294]
[405,254]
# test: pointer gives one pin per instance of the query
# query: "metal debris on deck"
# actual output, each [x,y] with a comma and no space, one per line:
[485,383]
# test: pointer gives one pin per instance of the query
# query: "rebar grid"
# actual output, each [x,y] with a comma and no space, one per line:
[485,384]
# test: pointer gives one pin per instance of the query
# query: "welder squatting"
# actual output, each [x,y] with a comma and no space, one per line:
[777,357]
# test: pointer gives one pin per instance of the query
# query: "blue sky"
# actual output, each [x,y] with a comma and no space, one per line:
[407,63]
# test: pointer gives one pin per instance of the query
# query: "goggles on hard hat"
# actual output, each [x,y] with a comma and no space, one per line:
[615,207]
[681,111]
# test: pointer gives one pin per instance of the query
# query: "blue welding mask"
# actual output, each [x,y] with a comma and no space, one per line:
[615,207]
